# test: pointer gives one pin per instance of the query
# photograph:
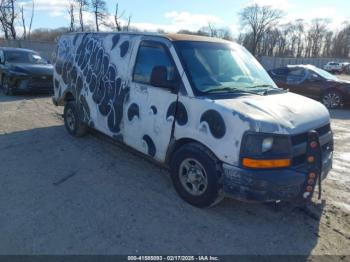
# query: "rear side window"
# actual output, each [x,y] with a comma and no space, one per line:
[280,71]
[151,55]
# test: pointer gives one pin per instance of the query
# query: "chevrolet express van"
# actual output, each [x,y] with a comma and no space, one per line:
[203,107]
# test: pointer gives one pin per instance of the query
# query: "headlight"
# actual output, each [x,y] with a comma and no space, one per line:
[260,150]
[267,144]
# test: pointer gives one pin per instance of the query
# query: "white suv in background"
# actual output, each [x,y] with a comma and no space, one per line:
[333,67]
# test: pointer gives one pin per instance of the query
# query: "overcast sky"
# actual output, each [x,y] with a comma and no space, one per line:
[173,15]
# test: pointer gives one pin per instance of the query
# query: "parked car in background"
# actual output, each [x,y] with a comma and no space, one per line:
[23,70]
[333,67]
[346,68]
[313,82]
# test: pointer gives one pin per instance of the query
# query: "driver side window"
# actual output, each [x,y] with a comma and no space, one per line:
[153,55]
[296,76]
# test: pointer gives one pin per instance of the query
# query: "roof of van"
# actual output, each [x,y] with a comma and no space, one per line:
[185,37]
[171,37]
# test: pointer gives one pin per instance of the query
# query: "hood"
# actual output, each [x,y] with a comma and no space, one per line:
[340,82]
[285,113]
[33,69]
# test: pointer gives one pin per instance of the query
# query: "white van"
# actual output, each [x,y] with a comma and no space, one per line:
[204,107]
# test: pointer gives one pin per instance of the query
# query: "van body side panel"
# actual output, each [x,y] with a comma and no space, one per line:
[95,68]
[213,126]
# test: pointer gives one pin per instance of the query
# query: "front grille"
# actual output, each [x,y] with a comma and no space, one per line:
[299,143]
[302,138]
[44,81]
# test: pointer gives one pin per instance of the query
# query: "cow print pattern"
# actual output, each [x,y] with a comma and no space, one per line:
[133,111]
[89,69]
[215,122]
[180,112]
[151,148]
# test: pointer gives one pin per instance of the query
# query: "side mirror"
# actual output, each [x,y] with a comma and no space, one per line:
[159,78]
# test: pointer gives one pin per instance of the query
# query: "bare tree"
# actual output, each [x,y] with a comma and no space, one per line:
[25,33]
[83,5]
[31,19]
[99,9]
[71,17]
[258,19]
[8,16]
[118,25]
[23,24]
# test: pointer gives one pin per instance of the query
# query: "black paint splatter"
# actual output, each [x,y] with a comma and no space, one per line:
[215,122]
[150,145]
[115,40]
[124,47]
[154,110]
[180,111]
[133,111]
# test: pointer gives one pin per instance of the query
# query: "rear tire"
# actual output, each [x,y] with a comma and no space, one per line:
[333,99]
[195,173]
[72,121]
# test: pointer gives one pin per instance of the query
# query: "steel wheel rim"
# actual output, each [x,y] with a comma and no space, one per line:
[332,100]
[70,119]
[193,177]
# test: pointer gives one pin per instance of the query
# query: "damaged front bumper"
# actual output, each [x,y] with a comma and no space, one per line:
[32,83]
[269,185]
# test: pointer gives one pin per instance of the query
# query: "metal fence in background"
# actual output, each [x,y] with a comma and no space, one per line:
[275,62]
[45,49]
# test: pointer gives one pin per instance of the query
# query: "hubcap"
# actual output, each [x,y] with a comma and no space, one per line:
[332,100]
[70,119]
[193,177]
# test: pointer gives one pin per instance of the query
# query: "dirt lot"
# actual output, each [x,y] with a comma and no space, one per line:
[61,195]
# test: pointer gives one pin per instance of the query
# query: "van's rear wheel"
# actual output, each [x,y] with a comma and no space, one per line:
[195,175]
[72,121]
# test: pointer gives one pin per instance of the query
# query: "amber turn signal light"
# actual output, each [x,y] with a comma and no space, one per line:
[272,163]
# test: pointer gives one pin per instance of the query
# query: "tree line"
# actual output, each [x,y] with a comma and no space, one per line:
[263,30]
[12,15]
[265,34]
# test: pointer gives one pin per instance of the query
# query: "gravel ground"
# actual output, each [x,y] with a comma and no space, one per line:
[61,195]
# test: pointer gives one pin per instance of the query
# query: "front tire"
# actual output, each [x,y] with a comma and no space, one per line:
[333,99]
[72,121]
[196,175]
[6,87]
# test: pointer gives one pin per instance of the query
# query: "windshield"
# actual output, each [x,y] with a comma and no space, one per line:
[221,67]
[24,57]
[324,73]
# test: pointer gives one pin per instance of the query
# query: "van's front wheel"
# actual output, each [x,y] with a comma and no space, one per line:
[195,175]
[72,121]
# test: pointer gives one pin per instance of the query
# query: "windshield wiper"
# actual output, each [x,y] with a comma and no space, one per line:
[267,91]
[232,90]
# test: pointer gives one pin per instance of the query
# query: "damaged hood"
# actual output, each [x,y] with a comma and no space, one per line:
[285,113]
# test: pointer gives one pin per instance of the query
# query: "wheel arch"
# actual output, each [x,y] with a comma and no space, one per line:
[177,144]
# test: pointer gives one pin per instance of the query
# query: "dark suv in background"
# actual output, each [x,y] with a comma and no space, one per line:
[313,82]
[23,70]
